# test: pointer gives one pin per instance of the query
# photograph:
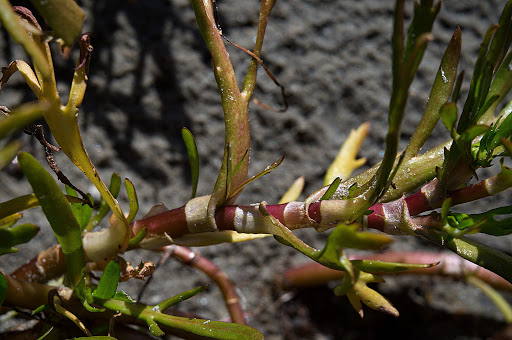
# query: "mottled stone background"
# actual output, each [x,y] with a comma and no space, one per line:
[150,76]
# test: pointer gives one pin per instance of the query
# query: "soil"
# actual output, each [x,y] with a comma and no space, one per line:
[151,75]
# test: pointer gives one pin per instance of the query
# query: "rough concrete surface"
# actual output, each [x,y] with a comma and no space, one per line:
[150,75]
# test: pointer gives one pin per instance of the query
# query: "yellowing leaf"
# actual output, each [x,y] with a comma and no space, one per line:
[293,193]
[345,162]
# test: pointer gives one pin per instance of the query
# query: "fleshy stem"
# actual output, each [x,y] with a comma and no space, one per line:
[452,265]
[235,102]
[50,264]
[247,219]
[226,286]
[295,215]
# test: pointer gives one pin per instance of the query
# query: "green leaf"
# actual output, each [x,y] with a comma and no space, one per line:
[405,65]
[134,201]
[82,212]
[268,169]
[139,237]
[503,130]
[58,212]
[188,327]
[83,291]
[471,133]
[108,282]
[487,222]
[500,87]
[485,107]
[448,113]
[20,118]
[124,297]
[445,209]
[180,297]
[65,18]
[439,96]
[22,203]
[193,157]
[41,309]
[349,236]
[471,104]
[10,237]
[8,153]
[503,37]
[424,16]
[53,202]
[3,288]
[239,165]
[114,188]
[490,63]
[331,190]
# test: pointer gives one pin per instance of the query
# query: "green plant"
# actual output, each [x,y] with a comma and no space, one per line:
[390,197]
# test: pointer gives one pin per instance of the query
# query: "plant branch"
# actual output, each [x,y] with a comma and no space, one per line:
[450,265]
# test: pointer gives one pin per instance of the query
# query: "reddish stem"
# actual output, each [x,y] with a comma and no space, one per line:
[451,265]
[224,283]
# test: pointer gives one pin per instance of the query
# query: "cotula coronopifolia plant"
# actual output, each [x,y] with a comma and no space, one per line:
[408,193]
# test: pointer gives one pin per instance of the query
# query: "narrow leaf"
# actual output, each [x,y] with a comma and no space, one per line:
[448,113]
[504,130]
[10,237]
[132,197]
[471,101]
[439,95]
[456,88]
[488,222]
[139,237]
[349,236]
[20,118]
[372,266]
[58,212]
[193,157]
[239,165]
[25,202]
[180,297]
[267,170]
[8,153]
[82,212]
[108,282]
[188,327]
[331,190]
[53,202]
